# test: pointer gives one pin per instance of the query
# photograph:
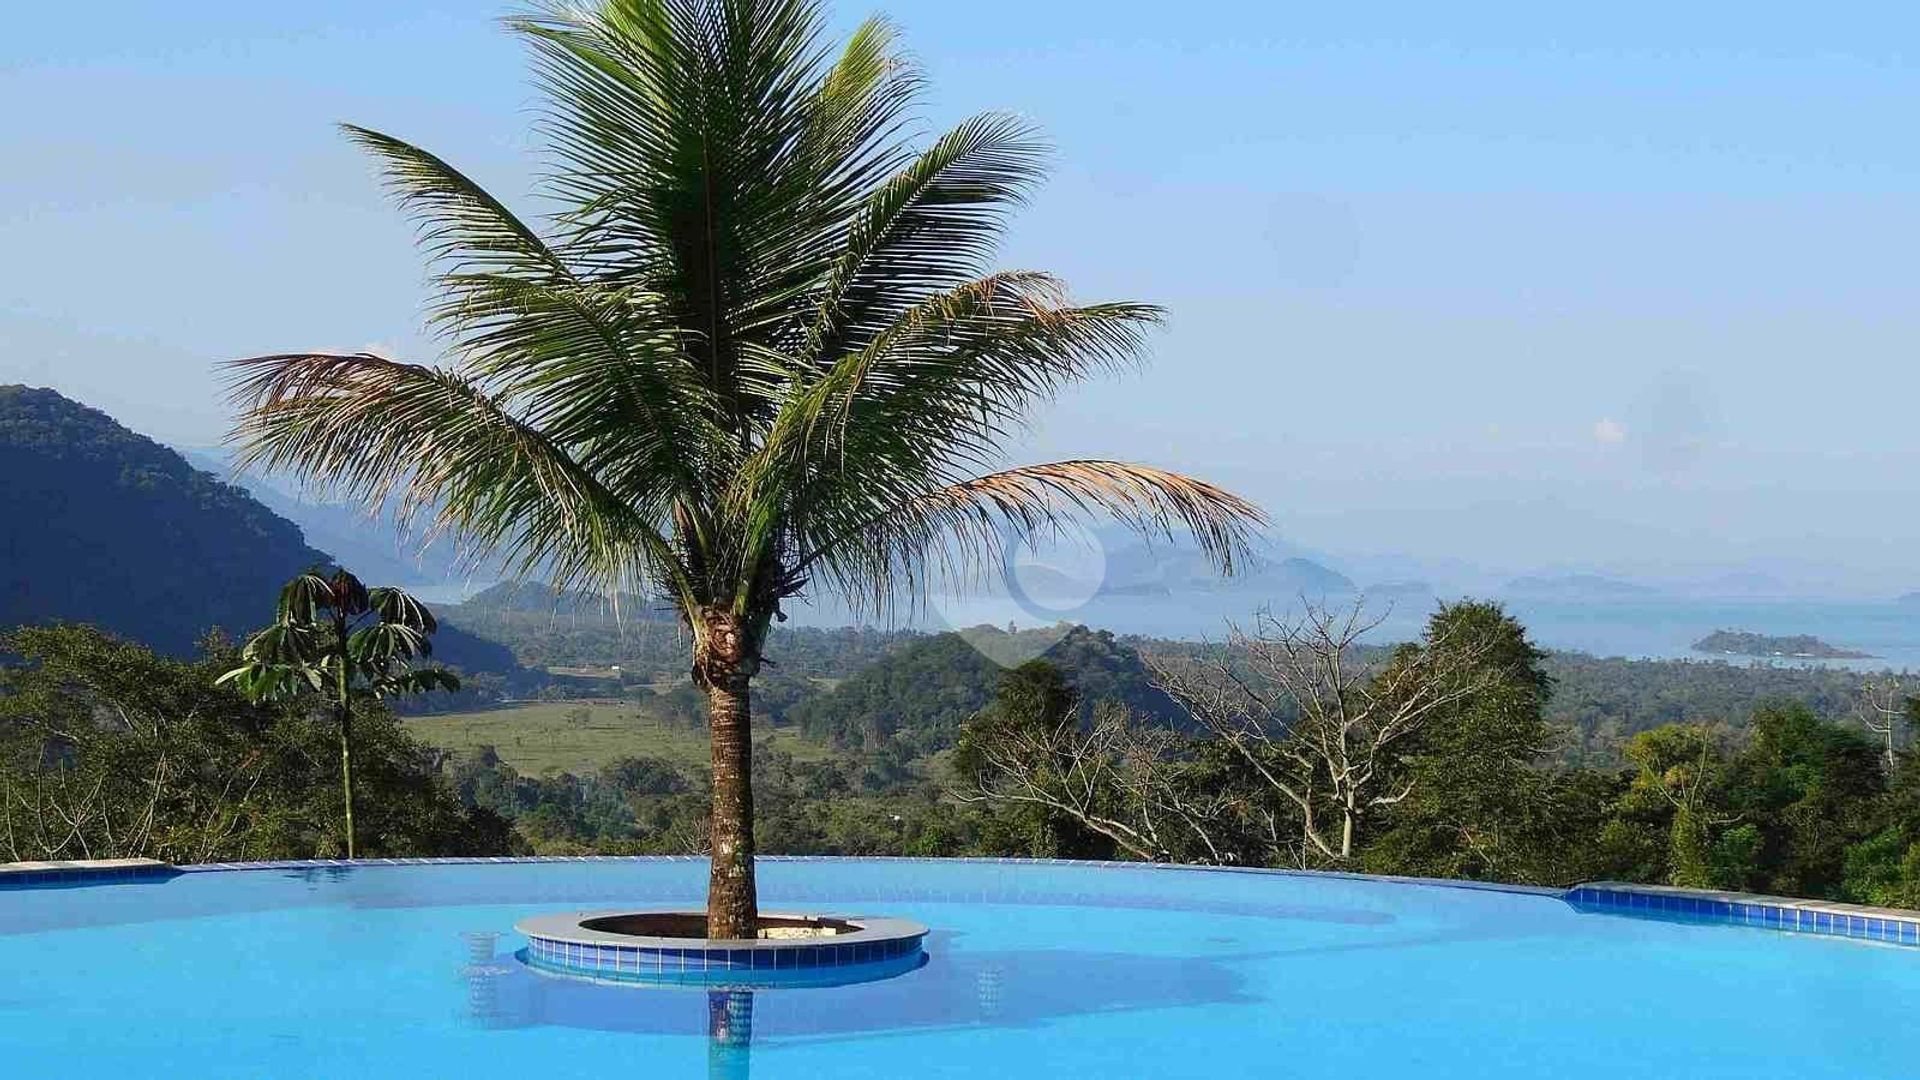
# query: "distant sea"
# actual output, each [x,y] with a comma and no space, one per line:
[1665,629]
[1662,629]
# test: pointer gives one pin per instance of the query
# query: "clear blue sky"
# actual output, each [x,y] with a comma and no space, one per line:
[1623,286]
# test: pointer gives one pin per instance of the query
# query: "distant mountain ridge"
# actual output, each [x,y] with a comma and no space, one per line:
[541,598]
[1135,568]
[375,545]
[99,524]
[1577,587]
[928,686]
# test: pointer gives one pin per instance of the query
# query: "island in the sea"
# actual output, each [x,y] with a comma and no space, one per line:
[1795,646]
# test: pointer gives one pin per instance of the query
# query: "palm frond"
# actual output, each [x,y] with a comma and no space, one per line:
[461,226]
[303,598]
[930,228]
[959,369]
[424,441]
[525,324]
[925,403]
[951,532]
[970,363]
[385,643]
[596,368]
[712,153]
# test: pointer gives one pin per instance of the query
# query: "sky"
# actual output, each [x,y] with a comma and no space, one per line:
[1624,288]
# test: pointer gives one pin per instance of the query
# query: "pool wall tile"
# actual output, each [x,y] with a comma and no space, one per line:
[73,873]
[1815,917]
[762,964]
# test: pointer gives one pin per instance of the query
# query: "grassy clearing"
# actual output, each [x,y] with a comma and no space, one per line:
[579,737]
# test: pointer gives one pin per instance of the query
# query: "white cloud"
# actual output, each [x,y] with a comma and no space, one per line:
[1609,432]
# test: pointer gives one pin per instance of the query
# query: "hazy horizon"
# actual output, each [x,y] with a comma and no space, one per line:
[1521,289]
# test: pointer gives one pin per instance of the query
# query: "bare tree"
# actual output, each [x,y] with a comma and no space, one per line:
[1885,709]
[120,775]
[1115,775]
[1322,721]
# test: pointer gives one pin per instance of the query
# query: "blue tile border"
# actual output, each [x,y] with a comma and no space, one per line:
[877,948]
[718,969]
[1884,926]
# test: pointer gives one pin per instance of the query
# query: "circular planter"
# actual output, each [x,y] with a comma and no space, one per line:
[667,948]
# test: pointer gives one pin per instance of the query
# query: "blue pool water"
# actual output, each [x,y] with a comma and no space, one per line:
[1035,970]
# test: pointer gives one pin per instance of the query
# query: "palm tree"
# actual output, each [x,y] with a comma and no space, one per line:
[754,348]
[334,639]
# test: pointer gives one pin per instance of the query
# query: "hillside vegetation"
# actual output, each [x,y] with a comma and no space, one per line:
[107,527]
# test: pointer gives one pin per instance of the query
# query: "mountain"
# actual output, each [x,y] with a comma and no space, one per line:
[1274,571]
[101,525]
[508,608]
[375,545]
[109,527]
[1400,591]
[1576,587]
[927,687]
[540,598]
[1298,576]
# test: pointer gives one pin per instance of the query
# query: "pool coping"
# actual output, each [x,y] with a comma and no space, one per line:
[85,872]
[485,860]
[1822,918]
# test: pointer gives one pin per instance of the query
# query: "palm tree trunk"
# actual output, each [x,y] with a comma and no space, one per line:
[346,771]
[723,667]
[343,722]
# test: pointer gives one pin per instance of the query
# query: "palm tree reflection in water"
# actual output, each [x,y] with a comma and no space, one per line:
[729,1034]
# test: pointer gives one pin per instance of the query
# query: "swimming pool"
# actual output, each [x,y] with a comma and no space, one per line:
[1035,970]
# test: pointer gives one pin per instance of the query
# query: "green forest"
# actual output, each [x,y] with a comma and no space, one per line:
[1545,768]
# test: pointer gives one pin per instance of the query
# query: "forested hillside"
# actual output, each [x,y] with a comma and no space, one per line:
[104,526]
[1601,702]
[924,690]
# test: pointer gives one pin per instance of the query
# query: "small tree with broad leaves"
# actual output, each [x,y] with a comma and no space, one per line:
[336,640]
